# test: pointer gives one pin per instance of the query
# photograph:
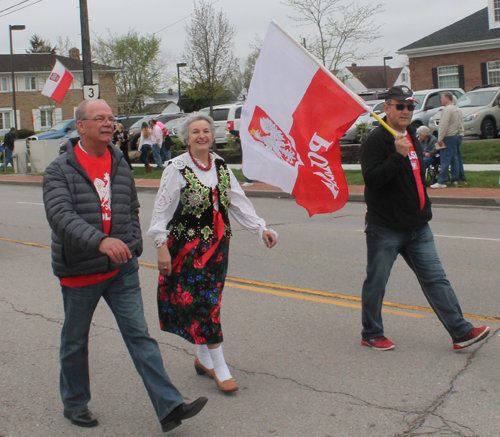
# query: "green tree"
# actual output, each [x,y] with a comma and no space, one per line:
[141,64]
[39,45]
[209,53]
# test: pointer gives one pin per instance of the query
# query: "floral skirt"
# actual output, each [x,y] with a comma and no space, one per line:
[189,299]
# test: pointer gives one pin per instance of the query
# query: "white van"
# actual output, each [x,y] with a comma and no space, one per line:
[225,117]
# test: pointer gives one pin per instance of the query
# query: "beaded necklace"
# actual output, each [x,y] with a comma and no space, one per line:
[201,167]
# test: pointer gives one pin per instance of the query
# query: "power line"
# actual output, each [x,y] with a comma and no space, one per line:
[27,6]
[3,10]
[182,19]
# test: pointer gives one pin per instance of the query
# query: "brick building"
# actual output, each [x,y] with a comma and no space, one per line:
[465,54]
[38,112]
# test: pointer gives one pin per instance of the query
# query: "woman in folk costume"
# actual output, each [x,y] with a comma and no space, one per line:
[191,229]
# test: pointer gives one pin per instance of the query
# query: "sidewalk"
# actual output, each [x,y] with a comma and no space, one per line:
[453,196]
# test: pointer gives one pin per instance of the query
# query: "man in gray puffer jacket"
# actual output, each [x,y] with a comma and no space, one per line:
[92,208]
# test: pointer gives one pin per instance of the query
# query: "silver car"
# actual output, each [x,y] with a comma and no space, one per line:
[480,111]
[350,135]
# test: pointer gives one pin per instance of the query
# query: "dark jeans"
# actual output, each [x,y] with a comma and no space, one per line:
[8,158]
[144,153]
[122,293]
[419,251]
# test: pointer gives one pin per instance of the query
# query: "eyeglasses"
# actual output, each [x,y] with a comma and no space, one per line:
[401,106]
[101,120]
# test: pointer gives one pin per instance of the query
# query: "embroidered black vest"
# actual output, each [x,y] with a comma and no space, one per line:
[194,217]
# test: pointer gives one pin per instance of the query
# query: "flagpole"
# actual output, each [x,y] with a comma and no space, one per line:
[358,99]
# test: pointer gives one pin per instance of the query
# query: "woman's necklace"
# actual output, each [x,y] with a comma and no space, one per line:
[201,167]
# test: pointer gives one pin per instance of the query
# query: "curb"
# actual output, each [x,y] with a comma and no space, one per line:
[489,202]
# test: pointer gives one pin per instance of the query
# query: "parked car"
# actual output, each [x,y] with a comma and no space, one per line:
[63,145]
[350,134]
[135,130]
[225,116]
[59,130]
[128,121]
[429,104]
[480,110]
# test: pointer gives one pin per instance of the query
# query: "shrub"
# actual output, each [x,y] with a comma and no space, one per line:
[362,131]
[25,133]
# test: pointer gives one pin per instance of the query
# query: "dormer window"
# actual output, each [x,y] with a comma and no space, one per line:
[494,13]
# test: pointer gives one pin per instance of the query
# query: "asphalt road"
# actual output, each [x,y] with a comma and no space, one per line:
[295,351]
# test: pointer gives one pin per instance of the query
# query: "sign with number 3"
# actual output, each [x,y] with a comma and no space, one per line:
[90,92]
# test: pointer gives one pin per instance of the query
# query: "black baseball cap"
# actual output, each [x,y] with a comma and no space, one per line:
[400,93]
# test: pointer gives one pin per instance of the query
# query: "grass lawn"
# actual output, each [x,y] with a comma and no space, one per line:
[481,152]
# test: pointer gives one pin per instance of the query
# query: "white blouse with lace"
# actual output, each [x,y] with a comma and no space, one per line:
[168,198]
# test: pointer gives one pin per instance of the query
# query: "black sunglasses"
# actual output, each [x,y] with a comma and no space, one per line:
[401,106]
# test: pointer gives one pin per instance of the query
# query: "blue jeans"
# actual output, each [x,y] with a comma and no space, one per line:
[157,156]
[449,157]
[8,158]
[122,293]
[431,160]
[419,251]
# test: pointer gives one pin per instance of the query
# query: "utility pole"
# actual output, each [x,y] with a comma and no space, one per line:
[86,56]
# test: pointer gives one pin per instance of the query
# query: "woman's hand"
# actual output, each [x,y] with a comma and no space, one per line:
[164,260]
[269,238]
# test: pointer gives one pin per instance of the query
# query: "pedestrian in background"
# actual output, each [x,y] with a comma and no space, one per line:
[145,145]
[157,141]
[96,240]
[8,145]
[398,212]
[120,140]
[428,142]
[450,134]
[191,229]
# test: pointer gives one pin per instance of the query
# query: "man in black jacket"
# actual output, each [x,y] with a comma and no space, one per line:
[92,208]
[398,212]
[10,138]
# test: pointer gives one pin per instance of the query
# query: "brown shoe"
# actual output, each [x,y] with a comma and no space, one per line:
[227,386]
[202,370]
[149,169]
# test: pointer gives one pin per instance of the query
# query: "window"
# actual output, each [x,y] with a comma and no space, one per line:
[493,70]
[30,83]
[45,118]
[434,100]
[221,114]
[404,77]
[5,120]
[448,77]
[497,10]
[4,84]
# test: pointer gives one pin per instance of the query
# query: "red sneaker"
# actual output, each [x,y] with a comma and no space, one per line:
[473,336]
[379,343]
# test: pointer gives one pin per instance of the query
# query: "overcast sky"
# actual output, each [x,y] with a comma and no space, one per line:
[403,22]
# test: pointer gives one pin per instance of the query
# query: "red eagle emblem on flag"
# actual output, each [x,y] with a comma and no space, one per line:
[266,131]
[54,76]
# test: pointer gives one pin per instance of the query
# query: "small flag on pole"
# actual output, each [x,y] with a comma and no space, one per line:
[292,121]
[58,83]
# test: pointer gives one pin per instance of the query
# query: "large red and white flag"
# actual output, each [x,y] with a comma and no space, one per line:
[58,83]
[292,121]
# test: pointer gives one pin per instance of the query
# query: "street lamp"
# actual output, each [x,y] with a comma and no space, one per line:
[386,58]
[179,65]
[11,28]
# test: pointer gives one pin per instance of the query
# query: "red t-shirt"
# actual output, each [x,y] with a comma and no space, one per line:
[415,165]
[99,171]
